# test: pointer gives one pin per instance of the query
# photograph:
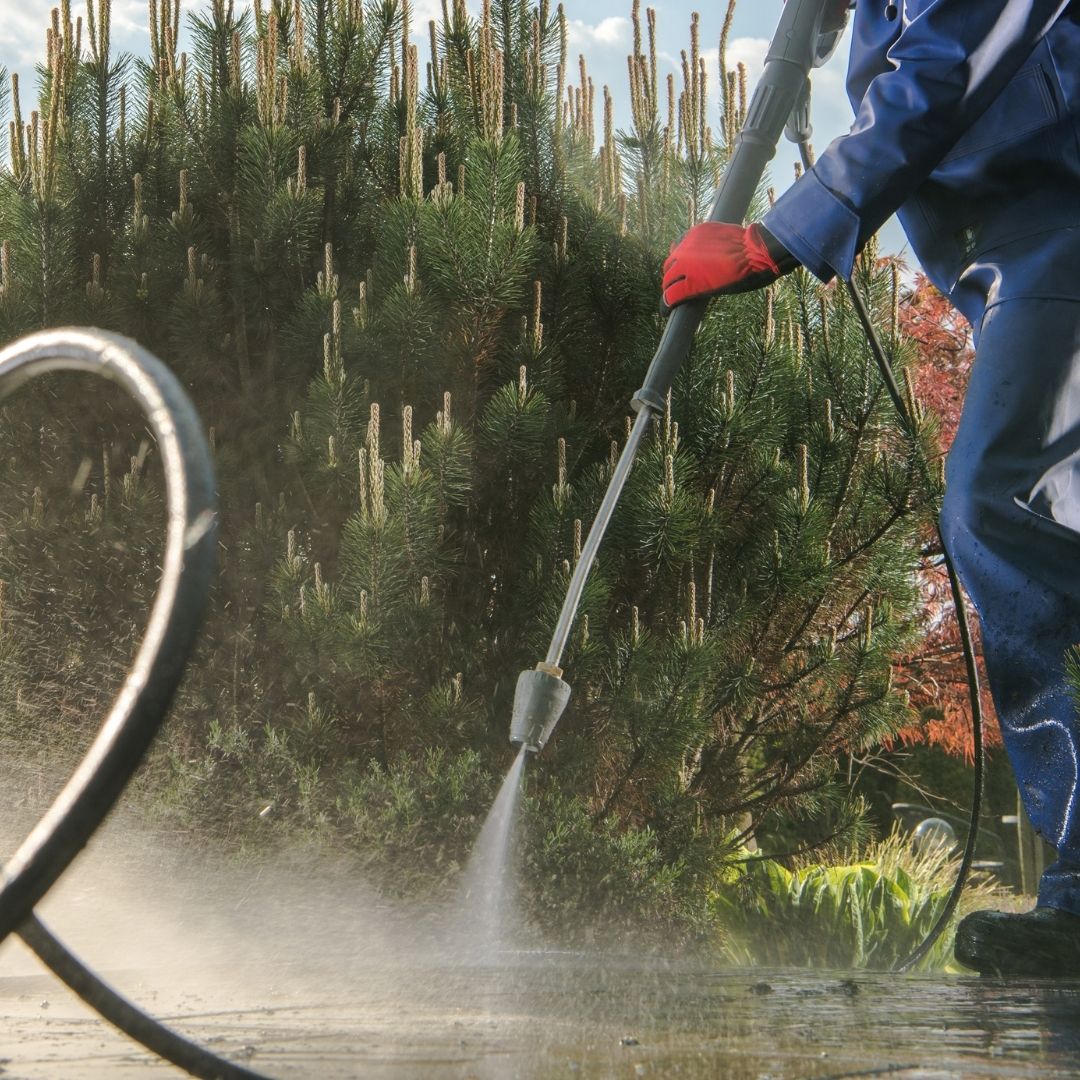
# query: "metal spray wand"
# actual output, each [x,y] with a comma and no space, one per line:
[782,94]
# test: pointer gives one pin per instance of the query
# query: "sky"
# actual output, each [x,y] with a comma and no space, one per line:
[599,29]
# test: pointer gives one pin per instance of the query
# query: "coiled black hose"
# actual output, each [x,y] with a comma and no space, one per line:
[141,705]
[122,1014]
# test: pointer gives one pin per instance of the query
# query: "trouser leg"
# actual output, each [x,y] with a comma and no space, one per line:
[1011,522]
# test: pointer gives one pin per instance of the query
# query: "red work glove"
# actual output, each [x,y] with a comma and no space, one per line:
[714,258]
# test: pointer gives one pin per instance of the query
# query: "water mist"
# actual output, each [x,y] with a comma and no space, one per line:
[488,896]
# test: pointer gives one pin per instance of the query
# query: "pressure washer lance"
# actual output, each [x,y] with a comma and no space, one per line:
[541,694]
[781,101]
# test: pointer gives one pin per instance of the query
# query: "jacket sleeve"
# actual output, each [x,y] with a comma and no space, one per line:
[948,65]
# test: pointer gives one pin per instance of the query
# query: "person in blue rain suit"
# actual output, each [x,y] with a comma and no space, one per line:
[968,126]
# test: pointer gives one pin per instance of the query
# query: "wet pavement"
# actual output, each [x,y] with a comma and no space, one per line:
[541,1015]
[296,968]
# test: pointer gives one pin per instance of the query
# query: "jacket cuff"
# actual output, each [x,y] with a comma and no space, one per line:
[817,227]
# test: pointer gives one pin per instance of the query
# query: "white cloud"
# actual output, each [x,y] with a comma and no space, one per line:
[609,33]
[22,29]
[423,11]
[749,51]
[22,34]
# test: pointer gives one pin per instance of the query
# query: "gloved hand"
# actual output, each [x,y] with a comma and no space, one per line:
[714,258]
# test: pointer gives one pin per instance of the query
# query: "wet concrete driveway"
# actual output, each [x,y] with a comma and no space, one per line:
[552,1015]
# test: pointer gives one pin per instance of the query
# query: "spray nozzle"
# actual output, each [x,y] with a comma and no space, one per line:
[539,701]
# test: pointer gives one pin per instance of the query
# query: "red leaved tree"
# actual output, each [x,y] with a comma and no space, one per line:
[936,676]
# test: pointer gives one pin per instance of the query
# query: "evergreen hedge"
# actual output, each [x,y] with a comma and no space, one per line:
[411,290]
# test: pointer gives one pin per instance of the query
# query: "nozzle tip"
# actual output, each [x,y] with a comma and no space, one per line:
[539,701]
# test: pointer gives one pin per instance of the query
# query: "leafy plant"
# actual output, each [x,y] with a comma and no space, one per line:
[869,914]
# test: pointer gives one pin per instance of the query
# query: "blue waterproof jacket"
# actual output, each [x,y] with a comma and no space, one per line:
[967,125]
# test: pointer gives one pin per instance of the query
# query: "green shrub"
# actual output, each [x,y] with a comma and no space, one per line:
[410,825]
[871,914]
[418,819]
[590,881]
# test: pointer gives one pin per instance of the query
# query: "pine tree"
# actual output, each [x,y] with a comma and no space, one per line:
[412,289]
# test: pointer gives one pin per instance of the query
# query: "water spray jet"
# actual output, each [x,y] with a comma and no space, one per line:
[487,891]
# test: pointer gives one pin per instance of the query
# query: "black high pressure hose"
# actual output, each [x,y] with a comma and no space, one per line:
[907,421]
[123,1014]
[140,707]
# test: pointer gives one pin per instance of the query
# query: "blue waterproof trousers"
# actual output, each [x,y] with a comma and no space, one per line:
[968,124]
[1011,522]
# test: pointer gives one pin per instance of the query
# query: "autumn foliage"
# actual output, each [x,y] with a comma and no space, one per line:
[943,338]
[935,676]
